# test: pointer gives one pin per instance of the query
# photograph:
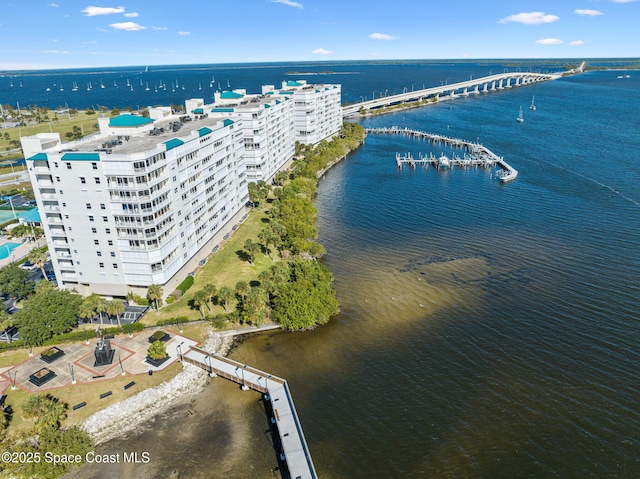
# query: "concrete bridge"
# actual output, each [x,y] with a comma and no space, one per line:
[476,86]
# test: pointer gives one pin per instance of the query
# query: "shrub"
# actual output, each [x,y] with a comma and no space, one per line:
[157,350]
[158,334]
[142,301]
[170,299]
[177,294]
[186,284]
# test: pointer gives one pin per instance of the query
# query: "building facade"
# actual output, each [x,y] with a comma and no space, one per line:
[145,199]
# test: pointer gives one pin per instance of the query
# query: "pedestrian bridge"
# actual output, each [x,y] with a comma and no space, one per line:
[486,84]
[293,446]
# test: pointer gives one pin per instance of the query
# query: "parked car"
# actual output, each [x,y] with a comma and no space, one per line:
[215,248]
[28,266]
[202,262]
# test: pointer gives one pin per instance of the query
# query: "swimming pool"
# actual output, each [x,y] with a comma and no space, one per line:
[6,249]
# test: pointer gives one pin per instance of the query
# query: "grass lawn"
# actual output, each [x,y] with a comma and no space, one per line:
[89,393]
[224,268]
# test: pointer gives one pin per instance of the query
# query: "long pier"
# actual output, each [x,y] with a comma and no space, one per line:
[294,451]
[472,86]
[477,155]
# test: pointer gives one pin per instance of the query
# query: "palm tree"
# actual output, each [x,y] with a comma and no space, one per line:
[224,296]
[87,308]
[45,409]
[100,306]
[115,307]
[38,256]
[210,290]
[200,300]
[154,293]
[251,249]
[157,350]
[242,289]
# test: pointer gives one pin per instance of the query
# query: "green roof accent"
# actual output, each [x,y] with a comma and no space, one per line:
[173,143]
[269,93]
[204,131]
[38,156]
[227,122]
[293,83]
[222,110]
[266,105]
[286,93]
[230,95]
[198,111]
[128,121]
[278,102]
[81,157]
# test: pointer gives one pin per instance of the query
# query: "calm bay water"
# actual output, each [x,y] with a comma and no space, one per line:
[486,330]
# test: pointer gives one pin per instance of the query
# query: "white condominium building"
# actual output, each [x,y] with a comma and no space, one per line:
[143,200]
[133,205]
[317,109]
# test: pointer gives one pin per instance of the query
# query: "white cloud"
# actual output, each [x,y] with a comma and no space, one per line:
[382,36]
[288,3]
[52,5]
[159,28]
[549,41]
[184,34]
[321,51]
[131,15]
[623,1]
[530,18]
[127,26]
[95,11]
[60,52]
[576,43]
[587,12]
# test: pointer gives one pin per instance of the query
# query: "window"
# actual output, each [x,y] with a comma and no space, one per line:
[58,179]
[93,230]
[83,180]
[101,265]
[64,205]
[88,206]
[90,218]
[110,242]
[104,218]
[94,166]
[99,253]
[97,180]
[96,242]
[68,165]
[113,254]
[103,206]
[107,230]
[115,265]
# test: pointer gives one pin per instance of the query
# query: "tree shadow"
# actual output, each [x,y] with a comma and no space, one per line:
[243,255]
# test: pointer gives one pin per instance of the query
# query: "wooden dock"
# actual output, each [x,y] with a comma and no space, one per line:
[294,451]
[475,154]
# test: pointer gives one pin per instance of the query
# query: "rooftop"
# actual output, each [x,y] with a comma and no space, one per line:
[127,121]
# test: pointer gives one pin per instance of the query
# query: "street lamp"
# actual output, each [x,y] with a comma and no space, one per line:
[13,383]
[404,90]
[266,387]
[73,378]
[30,350]
[412,86]
[179,348]
[121,368]
[211,373]
[244,386]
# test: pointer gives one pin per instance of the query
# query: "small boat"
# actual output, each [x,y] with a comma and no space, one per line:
[147,87]
[532,106]
[443,162]
[101,84]
[520,118]
[75,87]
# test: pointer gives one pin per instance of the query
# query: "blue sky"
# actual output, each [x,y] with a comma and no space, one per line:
[72,34]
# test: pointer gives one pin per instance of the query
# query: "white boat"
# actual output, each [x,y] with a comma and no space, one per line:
[48,89]
[75,87]
[520,118]
[147,87]
[443,162]
[532,106]
[101,84]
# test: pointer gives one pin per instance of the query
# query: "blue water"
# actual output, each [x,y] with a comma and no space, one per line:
[486,330]
[7,248]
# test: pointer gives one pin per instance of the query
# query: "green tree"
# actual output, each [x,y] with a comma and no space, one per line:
[87,309]
[45,410]
[115,307]
[210,290]
[225,293]
[47,312]
[154,293]
[157,350]
[251,249]
[100,305]
[200,301]
[15,281]
[254,308]
[242,289]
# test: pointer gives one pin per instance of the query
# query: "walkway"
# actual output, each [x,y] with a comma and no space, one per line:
[294,450]
[479,85]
